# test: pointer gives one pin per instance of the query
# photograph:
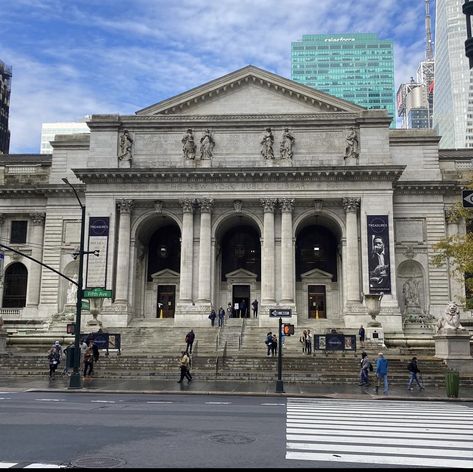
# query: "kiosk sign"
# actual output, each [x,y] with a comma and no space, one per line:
[276,313]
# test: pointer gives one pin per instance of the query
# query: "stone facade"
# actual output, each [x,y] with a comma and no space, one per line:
[171,200]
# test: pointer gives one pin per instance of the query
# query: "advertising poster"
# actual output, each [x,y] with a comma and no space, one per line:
[378,254]
[98,240]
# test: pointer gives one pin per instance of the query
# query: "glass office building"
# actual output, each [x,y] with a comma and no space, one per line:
[356,67]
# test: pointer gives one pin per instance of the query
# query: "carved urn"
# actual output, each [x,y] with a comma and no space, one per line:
[373,304]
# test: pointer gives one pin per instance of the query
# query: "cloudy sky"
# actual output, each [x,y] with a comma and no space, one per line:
[72,58]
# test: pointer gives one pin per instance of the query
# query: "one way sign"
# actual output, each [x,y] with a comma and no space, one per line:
[467,198]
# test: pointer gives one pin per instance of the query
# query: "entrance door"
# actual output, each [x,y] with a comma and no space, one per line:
[241,301]
[317,302]
[166,301]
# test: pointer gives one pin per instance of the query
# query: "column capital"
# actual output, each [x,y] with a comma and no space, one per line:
[286,204]
[37,218]
[187,205]
[351,204]
[125,206]
[205,204]
[269,204]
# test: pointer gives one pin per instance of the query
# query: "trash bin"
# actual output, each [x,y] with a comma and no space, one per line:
[452,382]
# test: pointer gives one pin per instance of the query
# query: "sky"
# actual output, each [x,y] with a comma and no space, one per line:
[72,58]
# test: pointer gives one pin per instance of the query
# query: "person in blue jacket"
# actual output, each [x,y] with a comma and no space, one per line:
[382,372]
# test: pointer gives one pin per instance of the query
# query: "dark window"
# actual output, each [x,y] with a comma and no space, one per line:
[14,292]
[18,232]
[164,250]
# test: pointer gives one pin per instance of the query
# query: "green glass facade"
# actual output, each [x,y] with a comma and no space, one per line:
[356,67]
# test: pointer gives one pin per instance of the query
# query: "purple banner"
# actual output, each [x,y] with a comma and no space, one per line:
[378,249]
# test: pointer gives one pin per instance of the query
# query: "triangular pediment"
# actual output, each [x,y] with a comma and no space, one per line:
[250,91]
[240,274]
[165,274]
[316,274]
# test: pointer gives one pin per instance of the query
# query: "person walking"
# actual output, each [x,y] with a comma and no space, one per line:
[212,317]
[221,317]
[308,342]
[54,359]
[89,360]
[361,334]
[365,365]
[243,309]
[269,341]
[302,340]
[382,373]
[413,371]
[83,348]
[255,308]
[274,346]
[229,311]
[190,336]
[184,364]
[68,354]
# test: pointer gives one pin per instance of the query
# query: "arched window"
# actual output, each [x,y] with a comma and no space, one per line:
[16,281]
[164,250]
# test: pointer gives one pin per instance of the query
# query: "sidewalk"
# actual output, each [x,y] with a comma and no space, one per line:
[196,387]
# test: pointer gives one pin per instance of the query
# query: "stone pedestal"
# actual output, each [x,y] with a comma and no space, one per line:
[3,342]
[454,348]
[374,335]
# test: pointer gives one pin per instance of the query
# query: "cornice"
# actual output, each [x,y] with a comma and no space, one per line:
[261,174]
[419,187]
[41,190]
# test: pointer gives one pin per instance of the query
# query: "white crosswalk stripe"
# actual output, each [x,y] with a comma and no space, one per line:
[380,432]
[33,465]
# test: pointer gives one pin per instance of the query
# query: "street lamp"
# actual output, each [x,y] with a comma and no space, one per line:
[75,381]
[468,11]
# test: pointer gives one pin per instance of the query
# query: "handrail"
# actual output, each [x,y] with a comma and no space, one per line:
[240,337]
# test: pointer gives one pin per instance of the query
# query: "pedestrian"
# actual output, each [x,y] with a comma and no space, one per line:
[365,366]
[69,353]
[361,334]
[274,346]
[96,352]
[58,348]
[302,340]
[308,342]
[190,336]
[184,364]
[89,360]
[54,359]
[413,371]
[221,317]
[269,341]
[255,308]
[243,309]
[212,317]
[229,311]
[83,347]
[382,372]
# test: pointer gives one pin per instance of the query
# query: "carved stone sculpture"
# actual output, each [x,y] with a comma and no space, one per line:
[126,147]
[287,144]
[188,145]
[450,319]
[267,144]
[207,144]
[72,291]
[352,147]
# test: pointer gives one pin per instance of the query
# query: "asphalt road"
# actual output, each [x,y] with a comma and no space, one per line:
[207,431]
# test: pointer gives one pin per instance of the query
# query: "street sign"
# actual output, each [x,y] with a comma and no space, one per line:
[97,293]
[276,313]
[467,198]
[85,305]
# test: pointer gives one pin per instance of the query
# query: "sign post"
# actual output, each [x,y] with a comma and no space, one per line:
[279,313]
[467,198]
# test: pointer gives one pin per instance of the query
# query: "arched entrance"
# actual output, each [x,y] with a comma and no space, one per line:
[158,259]
[238,264]
[15,285]
[318,268]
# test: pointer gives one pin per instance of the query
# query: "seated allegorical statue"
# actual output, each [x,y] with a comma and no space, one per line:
[450,319]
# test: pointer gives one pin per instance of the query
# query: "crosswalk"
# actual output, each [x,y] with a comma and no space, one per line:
[31,465]
[380,432]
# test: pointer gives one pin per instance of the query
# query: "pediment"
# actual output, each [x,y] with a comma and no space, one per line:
[250,91]
[165,274]
[316,274]
[240,274]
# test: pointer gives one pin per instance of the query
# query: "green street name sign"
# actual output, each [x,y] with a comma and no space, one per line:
[85,305]
[97,293]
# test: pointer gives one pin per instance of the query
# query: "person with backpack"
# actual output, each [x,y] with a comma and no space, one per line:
[382,372]
[89,361]
[221,317]
[365,368]
[190,336]
[54,358]
[269,341]
[274,346]
[212,317]
[413,371]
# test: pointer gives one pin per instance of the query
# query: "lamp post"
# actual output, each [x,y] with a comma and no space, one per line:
[75,381]
[468,11]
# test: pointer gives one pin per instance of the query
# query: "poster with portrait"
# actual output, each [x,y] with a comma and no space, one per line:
[98,241]
[379,267]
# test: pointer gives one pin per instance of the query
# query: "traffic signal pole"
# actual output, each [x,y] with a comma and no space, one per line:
[279,382]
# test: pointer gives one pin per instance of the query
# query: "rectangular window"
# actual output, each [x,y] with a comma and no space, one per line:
[18,232]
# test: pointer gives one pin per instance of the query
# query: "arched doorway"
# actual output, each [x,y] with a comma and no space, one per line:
[238,263]
[15,285]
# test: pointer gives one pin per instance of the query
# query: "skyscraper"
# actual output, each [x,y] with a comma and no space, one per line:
[357,67]
[5,89]
[453,112]
[50,130]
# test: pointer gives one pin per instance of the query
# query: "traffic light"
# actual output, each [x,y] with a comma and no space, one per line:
[288,329]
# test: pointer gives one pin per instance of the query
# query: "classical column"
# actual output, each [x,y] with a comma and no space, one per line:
[123,257]
[205,205]
[457,286]
[287,268]
[187,252]
[267,270]
[352,261]
[34,278]
[2,221]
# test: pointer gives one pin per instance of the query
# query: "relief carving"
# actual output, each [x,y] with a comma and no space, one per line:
[267,144]
[188,145]
[352,150]
[207,145]
[287,144]
[126,146]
